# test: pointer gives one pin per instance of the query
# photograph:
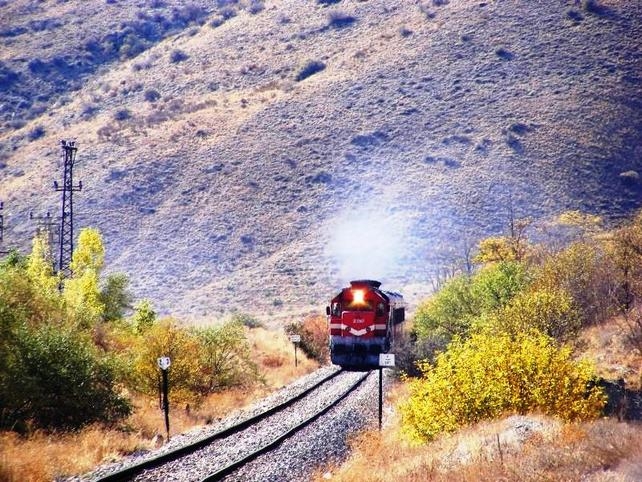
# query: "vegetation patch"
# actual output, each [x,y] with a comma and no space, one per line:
[310,68]
[489,375]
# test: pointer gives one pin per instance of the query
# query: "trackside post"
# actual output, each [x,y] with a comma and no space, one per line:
[295,339]
[385,360]
[163,363]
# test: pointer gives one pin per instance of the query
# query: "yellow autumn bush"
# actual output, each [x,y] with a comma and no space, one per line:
[487,375]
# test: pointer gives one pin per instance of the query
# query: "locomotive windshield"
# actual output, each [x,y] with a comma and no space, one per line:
[363,306]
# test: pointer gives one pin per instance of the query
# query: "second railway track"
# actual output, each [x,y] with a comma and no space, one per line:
[218,455]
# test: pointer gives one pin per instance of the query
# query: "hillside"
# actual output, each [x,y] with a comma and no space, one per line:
[256,156]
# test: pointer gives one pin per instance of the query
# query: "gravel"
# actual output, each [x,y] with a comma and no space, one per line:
[320,443]
[199,433]
[227,450]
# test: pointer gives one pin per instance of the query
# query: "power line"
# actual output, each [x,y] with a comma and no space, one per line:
[66,238]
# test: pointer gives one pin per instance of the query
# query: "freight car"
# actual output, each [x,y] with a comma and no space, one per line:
[364,321]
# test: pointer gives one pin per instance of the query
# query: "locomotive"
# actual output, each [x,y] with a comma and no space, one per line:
[363,321]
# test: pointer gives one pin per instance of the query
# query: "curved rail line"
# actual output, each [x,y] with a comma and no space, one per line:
[229,469]
[131,471]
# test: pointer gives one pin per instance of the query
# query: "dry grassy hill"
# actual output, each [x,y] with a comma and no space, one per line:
[257,155]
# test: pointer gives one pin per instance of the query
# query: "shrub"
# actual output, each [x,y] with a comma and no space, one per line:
[36,133]
[309,69]
[314,337]
[166,338]
[584,272]
[488,375]
[503,53]
[115,296]
[256,6]
[152,95]
[592,6]
[246,320]
[122,114]
[178,56]
[340,20]
[462,300]
[57,380]
[549,311]
[144,316]
[494,286]
[225,357]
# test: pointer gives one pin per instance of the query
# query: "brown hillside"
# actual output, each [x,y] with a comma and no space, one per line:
[223,179]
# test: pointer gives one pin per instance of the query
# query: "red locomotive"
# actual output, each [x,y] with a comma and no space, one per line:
[364,321]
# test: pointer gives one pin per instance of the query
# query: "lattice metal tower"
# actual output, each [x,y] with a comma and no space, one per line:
[66,239]
[47,227]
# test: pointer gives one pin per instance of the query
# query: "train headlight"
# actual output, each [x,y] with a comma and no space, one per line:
[358,297]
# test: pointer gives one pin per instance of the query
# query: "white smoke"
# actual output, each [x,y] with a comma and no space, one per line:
[367,244]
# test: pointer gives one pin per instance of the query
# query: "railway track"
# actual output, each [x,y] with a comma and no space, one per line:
[222,453]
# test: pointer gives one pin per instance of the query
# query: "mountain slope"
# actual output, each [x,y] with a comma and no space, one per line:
[222,182]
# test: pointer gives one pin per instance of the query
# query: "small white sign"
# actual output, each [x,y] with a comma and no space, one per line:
[295,338]
[386,359]
[164,362]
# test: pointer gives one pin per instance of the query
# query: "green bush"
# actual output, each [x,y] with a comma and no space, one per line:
[488,375]
[56,379]
[115,297]
[454,309]
[225,357]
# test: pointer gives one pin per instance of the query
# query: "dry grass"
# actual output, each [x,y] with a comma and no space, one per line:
[607,346]
[529,448]
[44,456]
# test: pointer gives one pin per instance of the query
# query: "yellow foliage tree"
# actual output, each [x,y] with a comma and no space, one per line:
[40,273]
[167,338]
[550,311]
[491,374]
[82,290]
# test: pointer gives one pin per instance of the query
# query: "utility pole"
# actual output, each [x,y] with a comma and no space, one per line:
[66,239]
[2,251]
[47,227]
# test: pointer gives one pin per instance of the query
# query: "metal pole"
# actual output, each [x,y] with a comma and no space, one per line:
[296,362]
[166,400]
[380,396]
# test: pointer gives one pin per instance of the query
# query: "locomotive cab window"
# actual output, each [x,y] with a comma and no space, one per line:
[336,309]
[365,306]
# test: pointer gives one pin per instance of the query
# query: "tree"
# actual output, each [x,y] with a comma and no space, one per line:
[40,272]
[115,297]
[144,316]
[458,305]
[81,291]
[167,338]
[226,358]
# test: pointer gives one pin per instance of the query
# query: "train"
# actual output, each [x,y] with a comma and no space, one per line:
[363,322]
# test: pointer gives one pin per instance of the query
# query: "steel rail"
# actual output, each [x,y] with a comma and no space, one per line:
[131,471]
[227,470]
